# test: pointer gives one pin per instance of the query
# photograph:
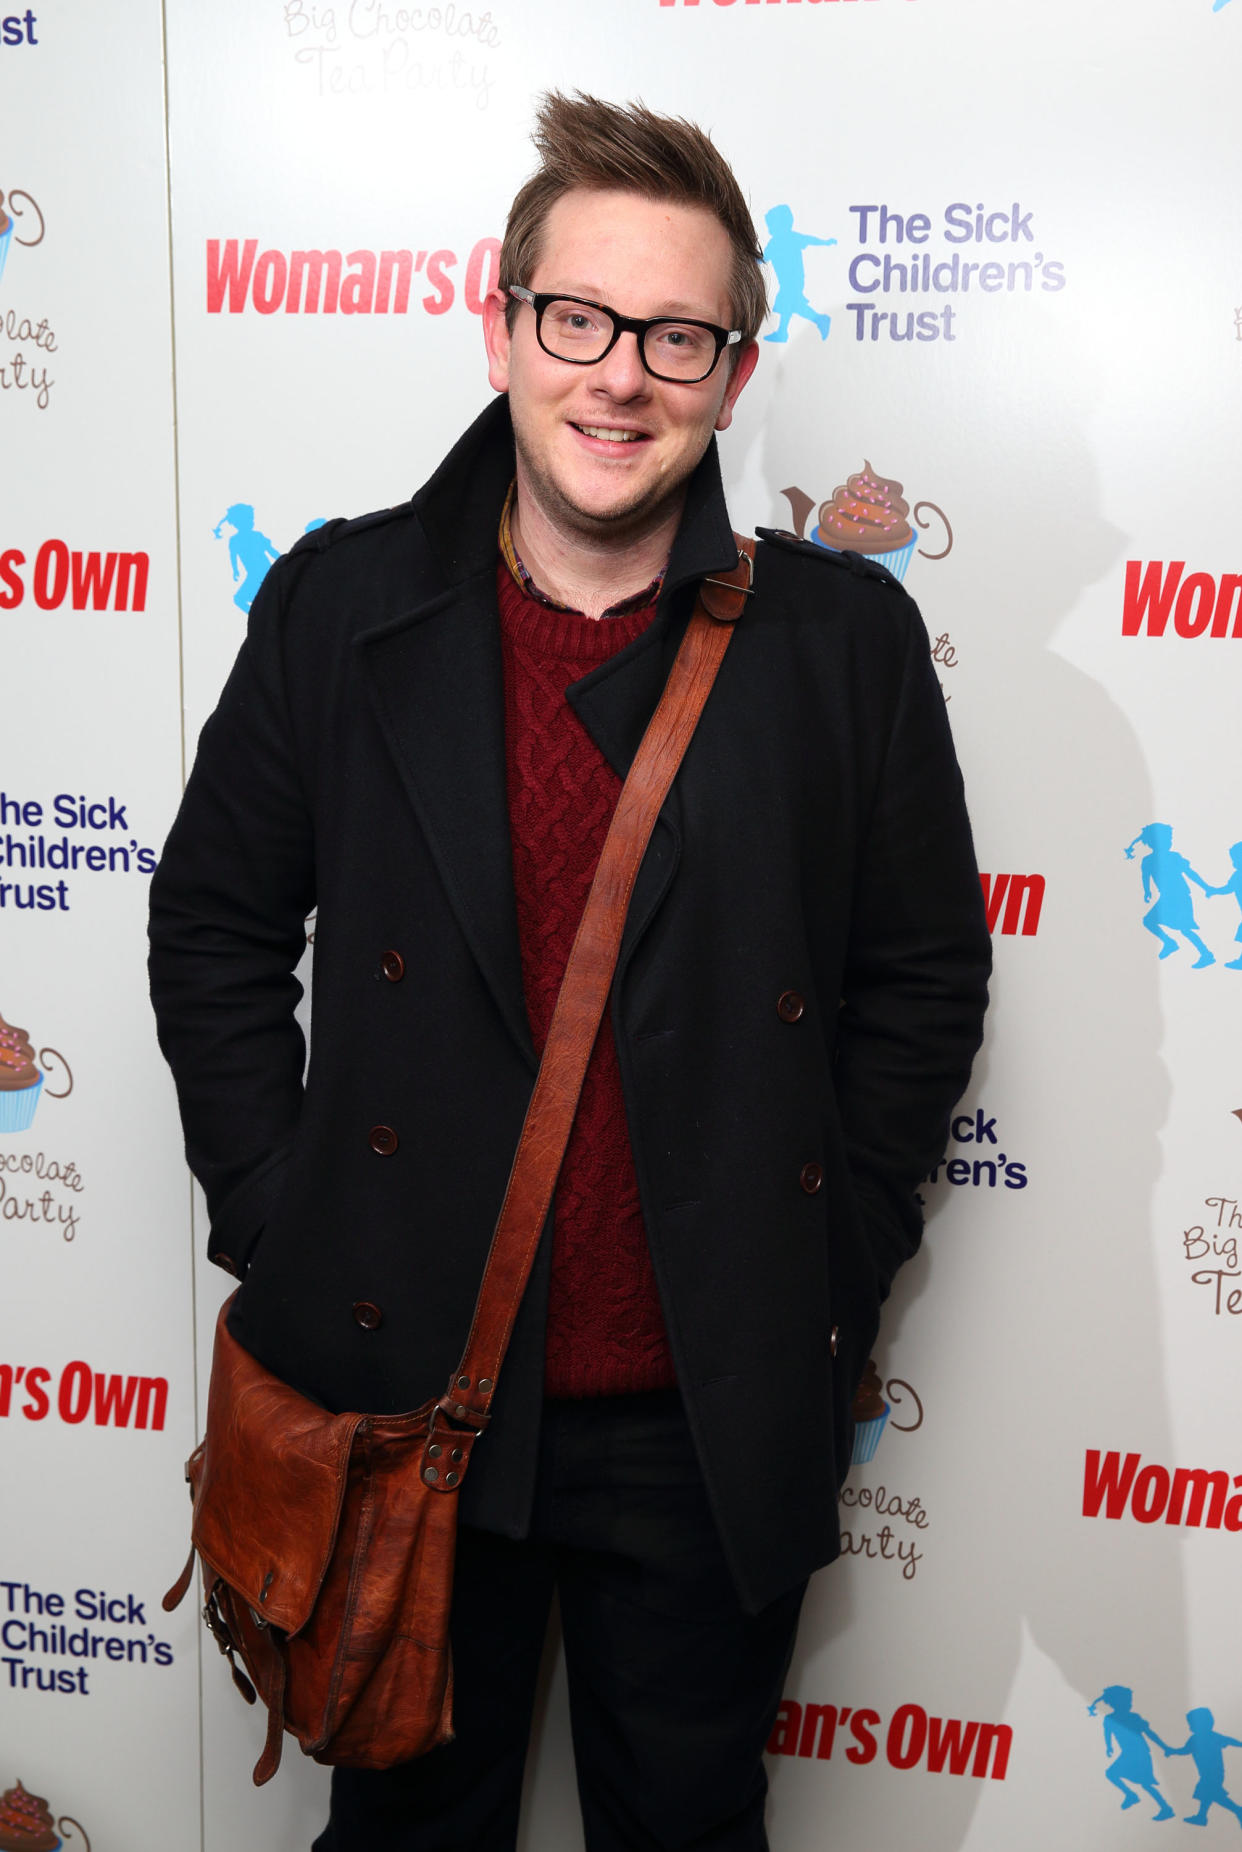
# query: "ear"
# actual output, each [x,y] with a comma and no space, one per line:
[496,339]
[739,373]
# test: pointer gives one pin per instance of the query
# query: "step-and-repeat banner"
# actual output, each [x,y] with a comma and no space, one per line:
[243,250]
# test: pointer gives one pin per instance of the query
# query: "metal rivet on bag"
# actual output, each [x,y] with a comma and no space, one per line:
[455,1455]
[463,1382]
[485,1383]
[434,1450]
[450,1478]
[461,1412]
[431,1475]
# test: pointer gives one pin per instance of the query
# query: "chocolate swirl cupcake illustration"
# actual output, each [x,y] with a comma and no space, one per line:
[870,1412]
[20,1080]
[868,514]
[25,1823]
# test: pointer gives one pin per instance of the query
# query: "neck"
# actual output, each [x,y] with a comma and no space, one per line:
[589,574]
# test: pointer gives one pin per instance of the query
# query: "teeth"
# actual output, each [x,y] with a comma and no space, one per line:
[609,436]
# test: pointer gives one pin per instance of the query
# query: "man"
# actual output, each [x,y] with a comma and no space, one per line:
[425,734]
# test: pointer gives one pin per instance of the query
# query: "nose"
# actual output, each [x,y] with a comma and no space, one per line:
[621,373]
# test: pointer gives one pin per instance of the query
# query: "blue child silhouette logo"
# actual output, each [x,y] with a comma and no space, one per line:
[250,552]
[1129,1734]
[784,252]
[1131,1768]
[1168,874]
[1233,886]
[1206,1747]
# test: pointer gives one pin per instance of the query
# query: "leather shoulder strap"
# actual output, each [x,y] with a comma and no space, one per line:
[584,989]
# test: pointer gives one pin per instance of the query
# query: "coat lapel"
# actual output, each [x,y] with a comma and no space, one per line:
[616,701]
[436,683]
[435,678]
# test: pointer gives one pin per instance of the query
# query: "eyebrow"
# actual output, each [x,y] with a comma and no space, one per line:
[667,308]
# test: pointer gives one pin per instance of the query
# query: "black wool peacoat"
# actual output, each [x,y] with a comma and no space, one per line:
[797,1002]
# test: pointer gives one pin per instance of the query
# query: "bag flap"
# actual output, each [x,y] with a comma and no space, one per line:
[268,1497]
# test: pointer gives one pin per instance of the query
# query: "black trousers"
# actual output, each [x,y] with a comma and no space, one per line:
[673,1689]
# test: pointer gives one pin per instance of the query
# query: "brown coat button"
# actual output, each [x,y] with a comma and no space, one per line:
[393,967]
[811,1177]
[790,1005]
[368,1315]
[383,1140]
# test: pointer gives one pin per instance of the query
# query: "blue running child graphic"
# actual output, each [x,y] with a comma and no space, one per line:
[1206,1746]
[1233,886]
[1126,1731]
[1169,873]
[784,252]
[250,552]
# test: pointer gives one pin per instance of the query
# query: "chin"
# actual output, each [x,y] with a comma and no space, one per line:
[620,511]
[605,512]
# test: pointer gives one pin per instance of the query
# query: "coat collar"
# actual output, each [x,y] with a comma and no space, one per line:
[436,680]
[459,507]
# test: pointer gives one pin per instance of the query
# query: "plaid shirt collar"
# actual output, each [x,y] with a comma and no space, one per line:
[513,560]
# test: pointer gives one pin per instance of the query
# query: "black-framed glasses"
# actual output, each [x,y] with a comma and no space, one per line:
[670,347]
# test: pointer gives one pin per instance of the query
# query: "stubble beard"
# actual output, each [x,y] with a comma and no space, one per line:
[631,520]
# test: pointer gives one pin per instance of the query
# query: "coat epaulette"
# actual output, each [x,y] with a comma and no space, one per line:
[320,538]
[859,564]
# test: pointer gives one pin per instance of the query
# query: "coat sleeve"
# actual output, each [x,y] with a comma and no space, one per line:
[228,904]
[917,963]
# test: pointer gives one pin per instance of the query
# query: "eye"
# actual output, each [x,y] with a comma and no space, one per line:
[681,338]
[572,318]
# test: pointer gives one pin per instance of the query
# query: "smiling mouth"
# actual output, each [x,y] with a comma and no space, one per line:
[607,434]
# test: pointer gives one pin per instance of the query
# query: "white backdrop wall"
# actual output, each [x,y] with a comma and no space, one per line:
[1030,316]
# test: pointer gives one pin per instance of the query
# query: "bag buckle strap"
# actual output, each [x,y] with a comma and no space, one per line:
[180,1588]
[727,600]
[465,1403]
[269,1761]
[446,1452]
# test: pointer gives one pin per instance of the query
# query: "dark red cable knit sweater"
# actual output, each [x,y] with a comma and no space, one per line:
[606,1331]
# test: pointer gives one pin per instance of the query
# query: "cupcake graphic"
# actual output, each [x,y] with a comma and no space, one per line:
[871,1414]
[26,1825]
[20,1080]
[14,206]
[868,514]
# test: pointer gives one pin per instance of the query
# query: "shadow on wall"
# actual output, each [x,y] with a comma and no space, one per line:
[1033,1316]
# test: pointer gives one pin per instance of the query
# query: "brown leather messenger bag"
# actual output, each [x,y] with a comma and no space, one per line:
[327,1541]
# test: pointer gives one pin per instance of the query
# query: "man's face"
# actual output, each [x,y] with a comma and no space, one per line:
[606,448]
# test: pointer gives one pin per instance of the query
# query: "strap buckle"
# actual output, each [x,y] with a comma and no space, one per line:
[728,609]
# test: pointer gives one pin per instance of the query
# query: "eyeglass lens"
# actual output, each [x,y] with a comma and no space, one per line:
[673,350]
